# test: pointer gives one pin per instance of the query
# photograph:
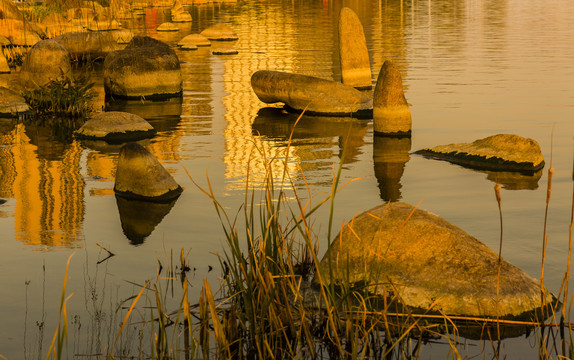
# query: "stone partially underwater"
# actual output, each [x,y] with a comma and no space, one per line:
[140,176]
[396,249]
[391,112]
[115,127]
[502,152]
[313,95]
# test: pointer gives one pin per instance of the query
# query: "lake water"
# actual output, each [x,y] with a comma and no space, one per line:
[470,69]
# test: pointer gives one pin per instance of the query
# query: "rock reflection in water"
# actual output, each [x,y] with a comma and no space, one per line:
[164,116]
[276,123]
[514,180]
[390,154]
[140,218]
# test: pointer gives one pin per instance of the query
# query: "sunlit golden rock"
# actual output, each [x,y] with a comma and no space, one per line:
[146,68]
[390,154]
[353,53]
[505,152]
[219,32]
[88,45]
[167,26]
[140,176]
[11,103]
[422,258]
[140,218]
[314,95]
[46,61]
[20,32]
[4,67]
[195,39]
[391,113]
[115,126]
[178,13]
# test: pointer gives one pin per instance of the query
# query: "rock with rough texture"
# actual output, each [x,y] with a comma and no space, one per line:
[11,103]
[4,67]
[115,126]
[391,113]
[353,53]
[146,68]
[219,32]
[46,61]
[88,46]
[140,176]
[314,95]
[195,39]
[178,13]
[167,26]
[422,258]
[502,152]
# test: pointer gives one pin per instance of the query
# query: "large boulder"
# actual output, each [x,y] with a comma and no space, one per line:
[115,126]
[46,61]
[146,68]
[391,112]
[140,176]
[88,46]
[502,152]
[219,32]
[11,103]
[398,250]
[314,95]
[353,53]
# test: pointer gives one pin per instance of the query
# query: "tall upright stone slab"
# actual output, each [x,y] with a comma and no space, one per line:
[355,64]
[391,112]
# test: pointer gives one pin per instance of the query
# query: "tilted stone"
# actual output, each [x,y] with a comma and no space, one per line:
[422,258]
[506,152]
[140,176]
[353,53]
[115,126]
[391,113]
[314,95]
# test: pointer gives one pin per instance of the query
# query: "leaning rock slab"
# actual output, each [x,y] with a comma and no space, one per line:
[317,96]
[140,176]
[391,113]
[11,103]
[46,61]
[114,127]
[502,152]
[353,53]
[219,32]
[146,68]
[422,258]
[90,45]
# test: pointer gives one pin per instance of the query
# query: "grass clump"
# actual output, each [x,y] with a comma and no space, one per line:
[65,97]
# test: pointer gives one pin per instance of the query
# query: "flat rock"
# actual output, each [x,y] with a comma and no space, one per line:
[314,95]
[353,53]
[219,32]
[115,126]
[140,176]
[167,26]
[195,39]
[11,103]
[422,258]
[502,152]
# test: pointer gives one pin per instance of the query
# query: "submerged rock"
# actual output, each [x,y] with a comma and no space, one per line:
[46,61]
[353,53]
[146,68]
[314,95]
[219,32]
[140,176]
[391,113]
[11,103]
[115,126]
[502,152]
[195,39]
[422,258]
[88,46]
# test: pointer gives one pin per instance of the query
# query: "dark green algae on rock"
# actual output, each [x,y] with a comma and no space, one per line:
[501,152]
[424,260]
